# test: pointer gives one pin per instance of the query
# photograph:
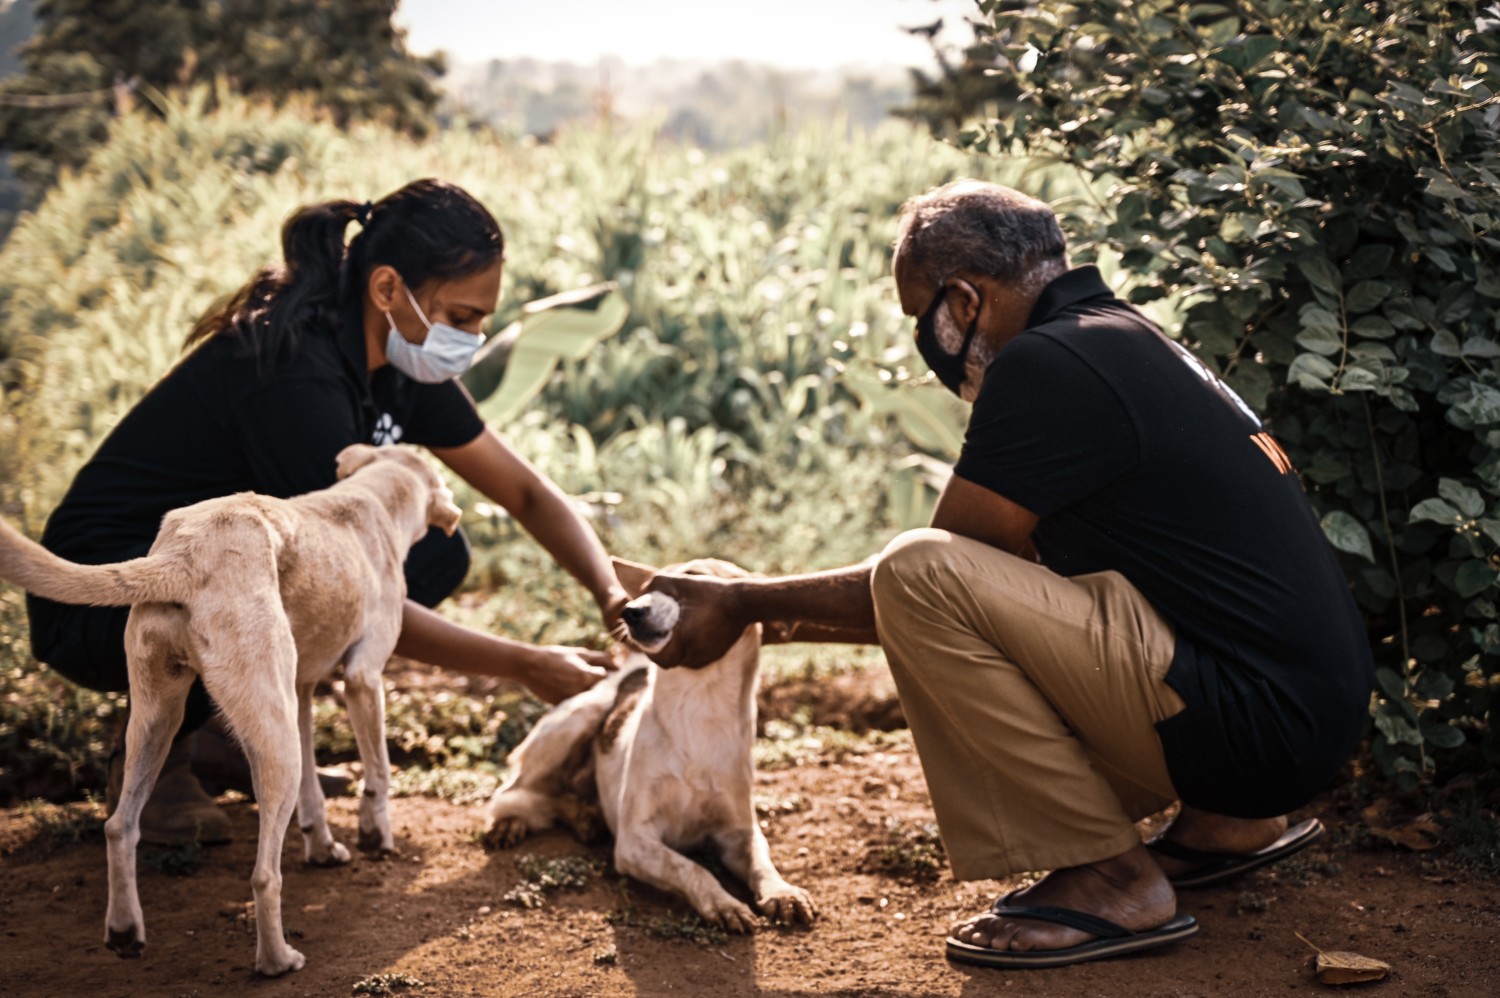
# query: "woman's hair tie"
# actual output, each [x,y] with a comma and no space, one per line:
[363,214]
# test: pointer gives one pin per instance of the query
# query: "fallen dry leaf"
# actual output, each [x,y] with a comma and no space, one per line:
[1339,967]
[1348,968]
[1419,834]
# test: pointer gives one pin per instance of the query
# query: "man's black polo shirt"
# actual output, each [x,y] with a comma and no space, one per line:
[1137,459]
[220,423]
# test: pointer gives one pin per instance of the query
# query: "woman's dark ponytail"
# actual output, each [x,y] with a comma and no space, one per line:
[427,229]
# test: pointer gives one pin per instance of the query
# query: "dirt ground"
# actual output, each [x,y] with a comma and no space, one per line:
[851,828]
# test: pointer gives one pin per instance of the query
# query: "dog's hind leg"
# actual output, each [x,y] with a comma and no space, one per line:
[159,685]
[319,847]
[252,677]
[748,856]
[365,695]
[543,768]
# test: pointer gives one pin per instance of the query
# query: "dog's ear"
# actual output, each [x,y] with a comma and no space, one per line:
[354,457]
[716,567]
[442,512]
[632,575]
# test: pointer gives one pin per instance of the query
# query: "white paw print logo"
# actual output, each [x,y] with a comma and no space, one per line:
[386,431]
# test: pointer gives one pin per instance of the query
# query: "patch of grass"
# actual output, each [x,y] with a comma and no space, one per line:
[386,984]
[1474,834]
[180,859]
[546,875]
[766,806]
[907,851]
[1306,868]
[461,786]
[787,744]
[54,736]
[673,928]
[1252,903]
[65,824]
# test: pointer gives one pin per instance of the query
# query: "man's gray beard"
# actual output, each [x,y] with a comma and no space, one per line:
[951,338]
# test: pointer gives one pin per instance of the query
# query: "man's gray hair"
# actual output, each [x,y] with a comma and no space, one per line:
[981,228]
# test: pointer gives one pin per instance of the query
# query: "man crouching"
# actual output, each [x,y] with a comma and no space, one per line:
[1124,600]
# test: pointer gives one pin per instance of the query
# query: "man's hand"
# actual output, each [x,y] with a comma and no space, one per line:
[711,618]
[556,672]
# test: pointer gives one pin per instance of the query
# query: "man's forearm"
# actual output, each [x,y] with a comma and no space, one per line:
[825,606]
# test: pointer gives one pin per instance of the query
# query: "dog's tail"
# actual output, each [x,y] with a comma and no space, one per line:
[37,570]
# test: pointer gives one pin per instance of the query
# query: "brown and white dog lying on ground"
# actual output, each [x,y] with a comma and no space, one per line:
[668,753]
[262,598]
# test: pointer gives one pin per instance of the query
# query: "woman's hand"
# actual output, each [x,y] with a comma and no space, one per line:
[556,672]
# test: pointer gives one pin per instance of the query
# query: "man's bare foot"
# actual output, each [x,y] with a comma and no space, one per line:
[1208,832]
[1129,890]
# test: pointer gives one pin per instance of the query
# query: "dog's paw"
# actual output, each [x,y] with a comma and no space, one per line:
[126,943]
[788,905]
[281,963]
[506,833]
[731,916]
[380,843]
[337,854]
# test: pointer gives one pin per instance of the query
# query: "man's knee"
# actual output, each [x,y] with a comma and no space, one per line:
[914,560]
[436,565]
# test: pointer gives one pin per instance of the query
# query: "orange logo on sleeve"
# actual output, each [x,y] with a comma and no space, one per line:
[1272,450]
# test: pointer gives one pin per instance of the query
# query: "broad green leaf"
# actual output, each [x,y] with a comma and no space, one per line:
[926,413]
[1444,736]
[1473,578]
[1366,295]
[1437,511]
[568,325]
[1466,498]
[1347,534]
[1310,371]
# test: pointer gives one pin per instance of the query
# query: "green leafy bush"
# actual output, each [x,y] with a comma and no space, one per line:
[1315,189]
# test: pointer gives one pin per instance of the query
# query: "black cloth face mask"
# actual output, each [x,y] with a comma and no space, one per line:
[951,369]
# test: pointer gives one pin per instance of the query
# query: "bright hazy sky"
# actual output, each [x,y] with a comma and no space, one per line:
[791,33]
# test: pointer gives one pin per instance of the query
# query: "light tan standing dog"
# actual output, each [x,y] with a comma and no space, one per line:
[262,598]
[668,752]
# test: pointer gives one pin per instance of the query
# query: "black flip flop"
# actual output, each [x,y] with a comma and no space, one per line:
[1217,867]
[1114,940]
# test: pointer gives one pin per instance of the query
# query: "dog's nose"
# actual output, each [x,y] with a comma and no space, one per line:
[635,613]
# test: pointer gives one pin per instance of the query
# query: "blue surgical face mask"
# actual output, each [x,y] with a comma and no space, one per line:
[446,353]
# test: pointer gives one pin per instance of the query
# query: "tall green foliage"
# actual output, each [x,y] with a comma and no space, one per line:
[90,59]
[1318,186]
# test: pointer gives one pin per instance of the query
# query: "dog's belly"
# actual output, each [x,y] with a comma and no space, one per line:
[648,782]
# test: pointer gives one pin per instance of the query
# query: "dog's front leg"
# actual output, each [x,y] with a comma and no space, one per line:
[651,860]
[366,698]
[748,857]
[319,847]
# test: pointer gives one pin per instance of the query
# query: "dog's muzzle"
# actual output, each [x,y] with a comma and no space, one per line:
[650,619]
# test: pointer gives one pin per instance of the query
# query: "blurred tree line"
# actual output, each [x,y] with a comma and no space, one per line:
[89,60]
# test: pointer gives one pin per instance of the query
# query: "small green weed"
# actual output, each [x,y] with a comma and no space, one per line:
[1475,836]
[1306,868]
[545,875]
[387,984]
[461,786]
[65,824]
[1252,903]
[180,859]
[912,852]
[787,744]
[606,957]
[686,928]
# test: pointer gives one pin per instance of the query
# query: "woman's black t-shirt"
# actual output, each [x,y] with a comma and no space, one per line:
[220,423]
[1137,459]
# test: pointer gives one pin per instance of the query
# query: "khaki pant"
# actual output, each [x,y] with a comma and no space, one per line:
[1032,699]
